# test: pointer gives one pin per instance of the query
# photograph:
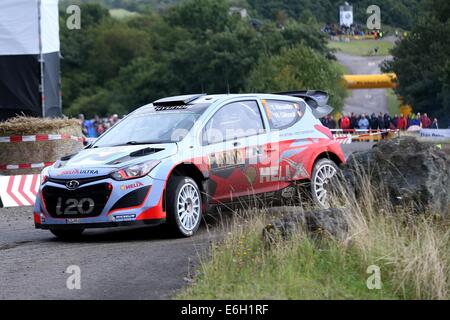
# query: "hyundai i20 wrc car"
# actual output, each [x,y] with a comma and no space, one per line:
[172,160]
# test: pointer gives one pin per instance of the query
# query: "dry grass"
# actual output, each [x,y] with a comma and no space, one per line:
[413,248]
[37,152]
[412,252]
[29,126]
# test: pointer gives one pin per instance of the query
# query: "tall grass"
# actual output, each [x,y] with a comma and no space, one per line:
[412,252]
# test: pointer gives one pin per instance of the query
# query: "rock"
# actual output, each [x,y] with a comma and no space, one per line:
[410,172]
[331,222]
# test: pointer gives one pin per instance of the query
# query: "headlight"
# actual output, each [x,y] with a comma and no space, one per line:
[134,171]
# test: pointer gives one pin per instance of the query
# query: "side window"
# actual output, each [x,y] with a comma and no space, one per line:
[236,120]
[283,114]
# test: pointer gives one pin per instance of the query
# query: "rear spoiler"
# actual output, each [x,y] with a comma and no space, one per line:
[316,99]
[177,100]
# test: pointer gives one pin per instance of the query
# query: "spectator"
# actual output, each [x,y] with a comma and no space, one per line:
[415,120]
[434,124]
[373,122]
[353,121]
[88,128]
[402,123]
[387,121]
[100,129]
[395,121]
[380,121]
[326,121]
[345,123]
[425,121]
[363,123]
[408,121]
[332,123]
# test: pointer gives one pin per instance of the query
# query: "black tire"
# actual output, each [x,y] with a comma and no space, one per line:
[71,234]
[316,183]
[176,221]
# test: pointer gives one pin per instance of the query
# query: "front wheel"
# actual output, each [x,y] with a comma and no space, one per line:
[71,234]
[322,178]
[184,206]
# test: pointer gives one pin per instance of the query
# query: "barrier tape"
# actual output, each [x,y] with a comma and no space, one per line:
[17,191]
[25,166]
[39,138]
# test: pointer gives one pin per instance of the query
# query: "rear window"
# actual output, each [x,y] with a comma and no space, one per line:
[283,114]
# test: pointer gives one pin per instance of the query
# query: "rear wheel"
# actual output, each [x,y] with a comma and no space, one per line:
[322,178]
[184,206]
[67,234]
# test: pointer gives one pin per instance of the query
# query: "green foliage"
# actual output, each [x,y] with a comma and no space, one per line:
[290,71]
[201,16]
[398,13]
[118,65]
[421,62]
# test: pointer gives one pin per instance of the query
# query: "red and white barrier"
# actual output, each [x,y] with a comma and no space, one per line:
[344,138]
[17,191]
[347,136]
[39,138]
[25,166]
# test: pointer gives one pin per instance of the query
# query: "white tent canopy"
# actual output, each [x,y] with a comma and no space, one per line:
[20,29]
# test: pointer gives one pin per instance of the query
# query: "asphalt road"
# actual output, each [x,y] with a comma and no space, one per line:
[136,263]
[364,101]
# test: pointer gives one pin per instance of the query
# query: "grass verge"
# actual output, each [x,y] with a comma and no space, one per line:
[362,47]
[411,252]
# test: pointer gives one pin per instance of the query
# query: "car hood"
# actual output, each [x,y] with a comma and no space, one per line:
[102,161]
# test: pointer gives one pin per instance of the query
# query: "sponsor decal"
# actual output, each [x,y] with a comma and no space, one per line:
[236,157]
[124,217]
[77,171]
[131,186]
[292,171]
[441,133]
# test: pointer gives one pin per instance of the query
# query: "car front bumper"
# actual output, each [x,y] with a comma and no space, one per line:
[124,205]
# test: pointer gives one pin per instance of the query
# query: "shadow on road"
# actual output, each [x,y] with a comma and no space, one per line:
[212,225]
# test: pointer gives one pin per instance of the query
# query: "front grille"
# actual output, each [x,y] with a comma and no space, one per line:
[83,202]
[82,181]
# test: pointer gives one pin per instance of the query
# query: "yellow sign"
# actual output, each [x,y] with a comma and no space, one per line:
[371,81]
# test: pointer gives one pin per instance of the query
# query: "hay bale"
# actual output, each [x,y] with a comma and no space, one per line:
[37,152]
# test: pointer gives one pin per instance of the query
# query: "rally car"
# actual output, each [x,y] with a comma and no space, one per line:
[174,159]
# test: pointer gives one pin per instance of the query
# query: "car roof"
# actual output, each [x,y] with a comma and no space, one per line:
[223,97]
[200,102]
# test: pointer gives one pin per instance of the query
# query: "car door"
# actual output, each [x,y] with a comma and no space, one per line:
[287,140]
[232,141]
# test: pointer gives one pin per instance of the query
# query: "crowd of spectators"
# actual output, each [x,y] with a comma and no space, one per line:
[380,122]
[335,30]
[96,126]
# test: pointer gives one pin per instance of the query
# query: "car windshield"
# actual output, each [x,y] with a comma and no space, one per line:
[149,127]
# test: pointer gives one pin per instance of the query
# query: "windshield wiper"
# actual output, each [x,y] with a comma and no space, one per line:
[137,143]
[133,143]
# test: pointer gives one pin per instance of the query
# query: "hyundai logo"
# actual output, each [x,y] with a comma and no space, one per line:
[72,185]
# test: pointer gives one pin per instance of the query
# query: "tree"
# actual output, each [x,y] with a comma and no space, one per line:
[298,68]
[421,61]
